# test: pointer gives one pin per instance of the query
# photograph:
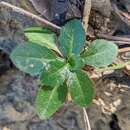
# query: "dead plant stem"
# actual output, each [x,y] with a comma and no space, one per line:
[86,119]
[113,38]
[86,13]
[31,15]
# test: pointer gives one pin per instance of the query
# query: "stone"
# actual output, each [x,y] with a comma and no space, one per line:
[103,6]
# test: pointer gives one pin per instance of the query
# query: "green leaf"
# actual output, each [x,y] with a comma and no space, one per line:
[72,38]
[42,36]
[101,53]
[75,62]
[32,58]
[37,29]
[81,88]
[49,100]
[55,74]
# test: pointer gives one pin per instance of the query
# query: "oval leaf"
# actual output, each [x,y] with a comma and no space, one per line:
[72,38]
[49,100]
[42,36]
[81,88]
[101,53]
[32,58]
[55,74]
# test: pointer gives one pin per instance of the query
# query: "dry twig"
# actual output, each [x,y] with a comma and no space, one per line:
[118,40]
[31,15]
[87,123]
[121,42]
[113,38]
[120,14]
[125,15]
[86,13]
[126,49]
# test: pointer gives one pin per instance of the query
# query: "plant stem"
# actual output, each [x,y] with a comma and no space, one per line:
[115,67]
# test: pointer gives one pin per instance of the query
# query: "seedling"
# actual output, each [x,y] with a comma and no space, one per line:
[58,63]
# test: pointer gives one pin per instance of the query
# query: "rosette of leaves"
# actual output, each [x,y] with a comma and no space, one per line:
[59,61]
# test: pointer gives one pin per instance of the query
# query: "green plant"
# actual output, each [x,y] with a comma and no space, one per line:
[59,63]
